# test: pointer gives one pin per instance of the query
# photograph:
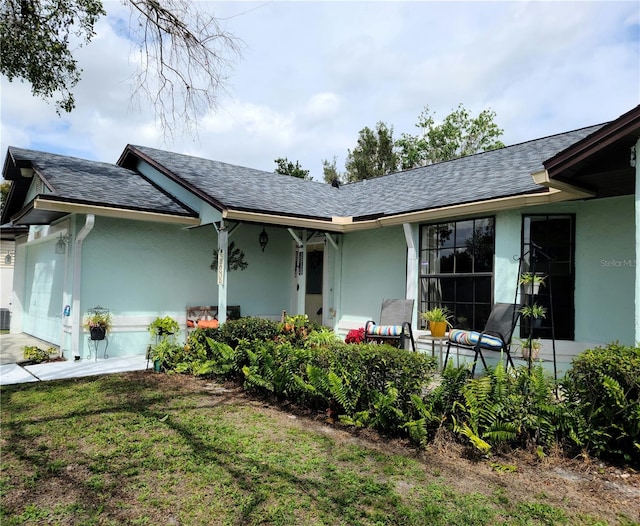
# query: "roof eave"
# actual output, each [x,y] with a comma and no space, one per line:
[487,206]
[626,124]
[132,151]
[351,224]
[57,209]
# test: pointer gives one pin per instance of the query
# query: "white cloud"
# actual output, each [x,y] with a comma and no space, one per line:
[315,73]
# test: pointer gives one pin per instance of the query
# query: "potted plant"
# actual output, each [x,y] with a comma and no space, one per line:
[98,323]
[162,353]
[530,348]
[166,326]
[438,318]
[534,311]
[531,282]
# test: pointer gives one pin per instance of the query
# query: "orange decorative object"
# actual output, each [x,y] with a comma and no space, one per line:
[208,324]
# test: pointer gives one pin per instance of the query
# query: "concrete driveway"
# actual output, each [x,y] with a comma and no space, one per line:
[11,372]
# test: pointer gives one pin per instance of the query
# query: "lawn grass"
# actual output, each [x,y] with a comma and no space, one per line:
[147,449]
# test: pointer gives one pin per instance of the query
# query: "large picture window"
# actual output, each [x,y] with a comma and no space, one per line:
[456,269]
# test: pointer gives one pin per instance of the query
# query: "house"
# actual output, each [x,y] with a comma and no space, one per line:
[158,232]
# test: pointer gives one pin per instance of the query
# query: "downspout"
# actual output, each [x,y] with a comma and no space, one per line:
[77,283]
[65,294]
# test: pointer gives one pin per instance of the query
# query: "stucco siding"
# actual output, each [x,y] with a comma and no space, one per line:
[143,270]
[604,266]
[373,268]
[605,270]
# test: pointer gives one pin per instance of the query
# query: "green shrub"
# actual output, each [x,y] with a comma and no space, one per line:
[250,329]
[507,408]
[370,384]
[37,355]
[602,391]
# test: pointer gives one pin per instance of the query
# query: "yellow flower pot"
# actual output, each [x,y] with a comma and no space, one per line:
[438,328]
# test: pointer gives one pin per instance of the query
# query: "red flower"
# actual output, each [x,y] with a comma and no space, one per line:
[355,336]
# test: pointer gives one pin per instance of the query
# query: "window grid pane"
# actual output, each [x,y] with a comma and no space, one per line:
[456,270]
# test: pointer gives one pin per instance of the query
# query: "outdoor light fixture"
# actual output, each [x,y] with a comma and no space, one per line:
[9,258]
[263,239]
[61,244]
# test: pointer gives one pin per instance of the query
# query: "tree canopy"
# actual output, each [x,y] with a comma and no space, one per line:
[330,172]
[286,167]
[373,156]
[458,135]
[183,52]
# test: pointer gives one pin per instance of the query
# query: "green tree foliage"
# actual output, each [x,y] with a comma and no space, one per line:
[182,52]
[5,186]
[330,172]
[458,135]
[373,156]
[36,40]
[286,167]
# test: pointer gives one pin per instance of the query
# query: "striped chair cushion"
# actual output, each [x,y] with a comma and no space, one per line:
[470,338]
[385,330]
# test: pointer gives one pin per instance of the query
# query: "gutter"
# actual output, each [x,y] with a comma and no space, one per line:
[121,213]
[543,178]
[77,283]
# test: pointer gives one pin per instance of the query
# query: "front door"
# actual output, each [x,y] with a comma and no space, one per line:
[551,239]
[315,273]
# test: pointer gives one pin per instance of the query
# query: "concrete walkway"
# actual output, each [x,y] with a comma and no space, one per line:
[11,372]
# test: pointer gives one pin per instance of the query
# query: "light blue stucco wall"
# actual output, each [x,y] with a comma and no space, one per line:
[604,265]
[141,270]
[373,268]
[605,271]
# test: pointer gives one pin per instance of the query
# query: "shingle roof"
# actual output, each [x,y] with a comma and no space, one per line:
[490,175]
[91,182]
[244,188]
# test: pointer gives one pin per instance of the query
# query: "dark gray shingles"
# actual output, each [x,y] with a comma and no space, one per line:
[92,182]
[490,175]
[244,188]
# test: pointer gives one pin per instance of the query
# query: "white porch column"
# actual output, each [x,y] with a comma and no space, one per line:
[411,238]
[223,254]
[637,267]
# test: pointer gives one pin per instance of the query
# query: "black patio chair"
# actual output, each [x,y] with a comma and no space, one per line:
[496,335]
[395,324]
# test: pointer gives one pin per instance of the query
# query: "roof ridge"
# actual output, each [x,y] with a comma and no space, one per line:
[522,143]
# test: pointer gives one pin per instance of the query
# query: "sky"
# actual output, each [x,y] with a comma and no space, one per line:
[313,74]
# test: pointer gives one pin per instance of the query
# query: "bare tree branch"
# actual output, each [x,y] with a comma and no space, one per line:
[184,57]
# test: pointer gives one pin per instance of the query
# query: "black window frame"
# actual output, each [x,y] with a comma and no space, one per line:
[559,294]
[466,285]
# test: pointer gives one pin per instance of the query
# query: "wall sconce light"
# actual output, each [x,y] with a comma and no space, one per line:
[61,244]
[9,258]
[263,239]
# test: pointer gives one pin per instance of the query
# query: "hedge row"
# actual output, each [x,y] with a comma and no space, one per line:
[594,410]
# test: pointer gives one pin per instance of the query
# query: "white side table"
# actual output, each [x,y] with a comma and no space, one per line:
[441,341]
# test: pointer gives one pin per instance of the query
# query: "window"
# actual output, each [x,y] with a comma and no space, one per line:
[456,269]
[552,239]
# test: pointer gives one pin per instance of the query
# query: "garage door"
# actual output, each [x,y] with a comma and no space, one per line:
[43,293]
